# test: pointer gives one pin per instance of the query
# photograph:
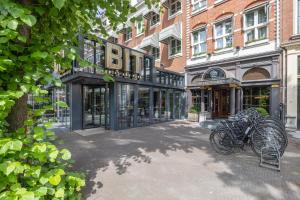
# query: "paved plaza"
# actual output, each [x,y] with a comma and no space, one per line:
[174,161]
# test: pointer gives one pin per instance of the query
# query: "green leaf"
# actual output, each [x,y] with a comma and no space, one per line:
[30,20]
[3,39]
[12,24]
[59,193]
[27,196]
[54,180]
[62,104]
[16,12]
[16,145]
[66,155]
[42,191]
[59,3]
[39,55]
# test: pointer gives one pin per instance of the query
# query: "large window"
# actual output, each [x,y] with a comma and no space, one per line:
[256,24]
[140,27]
[196,100]
[154,19]
[175,47]
[256,97]
[175,7]
[155,53]
[143,115]
[223,34]
[199,4]
[126,106]
[199,41]
[128,34]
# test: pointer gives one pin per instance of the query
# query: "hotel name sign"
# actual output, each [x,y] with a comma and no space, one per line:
[123,59]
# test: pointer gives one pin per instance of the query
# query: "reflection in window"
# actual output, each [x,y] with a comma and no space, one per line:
[126,106]
[256,97]
[88,55]
[199,42]
[156,105]
[143,115]
[223,34]
[163,105]
[100,57]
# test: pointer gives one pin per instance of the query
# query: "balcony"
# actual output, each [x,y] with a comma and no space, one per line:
[150,41]
[173,31]
[151,12]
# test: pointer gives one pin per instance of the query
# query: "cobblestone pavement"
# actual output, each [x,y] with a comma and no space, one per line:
[174,161]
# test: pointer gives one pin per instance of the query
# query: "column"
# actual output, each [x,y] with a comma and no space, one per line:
[76,106]
[275,101]
[232,101]
[202,100]
[238,100]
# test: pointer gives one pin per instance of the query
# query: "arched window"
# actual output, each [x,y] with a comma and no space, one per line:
[256,74]
[214,74]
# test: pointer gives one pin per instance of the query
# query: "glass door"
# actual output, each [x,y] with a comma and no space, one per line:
[94,111]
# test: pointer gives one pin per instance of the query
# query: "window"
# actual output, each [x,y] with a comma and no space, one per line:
[199,4]
[154,19]
[128,34]
[199,41]
[298,65]
[256,24]
[155,53]
[256,97]
[175,6]
[298,16]
[140,27]
[223,34]
[175,47]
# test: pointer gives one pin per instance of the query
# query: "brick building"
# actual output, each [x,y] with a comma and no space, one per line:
[229,50]
[290,43]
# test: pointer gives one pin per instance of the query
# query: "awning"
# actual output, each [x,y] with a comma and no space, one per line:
[173,31]
[150,12]
[165,3]
[150,41]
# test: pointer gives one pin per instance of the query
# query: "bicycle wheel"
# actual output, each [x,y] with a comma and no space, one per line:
[221,141]
[264,136]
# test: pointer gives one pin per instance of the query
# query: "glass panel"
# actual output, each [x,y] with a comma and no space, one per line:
[163,105]
[156,105]
[100,57]
[126,106]
[250,36]
[177,105]
[143,115]
[250,19]
[262,15]
[219,30]
[203,35]
[256,97]
[228,40]
[203,47]
[219,43]
[195,37]
[262,33]
[228,26]
[88,107]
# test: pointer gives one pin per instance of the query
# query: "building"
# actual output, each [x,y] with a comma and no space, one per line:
[139,95]
[234,57]
[158,32]
[290,43]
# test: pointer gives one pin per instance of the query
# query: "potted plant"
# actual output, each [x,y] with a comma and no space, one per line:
[193,114]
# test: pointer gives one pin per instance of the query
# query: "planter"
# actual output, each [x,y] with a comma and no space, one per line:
[193,117]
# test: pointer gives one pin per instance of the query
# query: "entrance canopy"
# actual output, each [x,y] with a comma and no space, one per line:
[224,81]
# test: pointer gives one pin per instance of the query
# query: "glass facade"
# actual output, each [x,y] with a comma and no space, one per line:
[126,106]
[257,97]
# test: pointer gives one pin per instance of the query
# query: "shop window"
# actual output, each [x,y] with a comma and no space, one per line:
[174,47]
[256,24]
[223,34]
[126,106]
[196,99]
[175,7]
[256,74]
[199,5]
[163,110]
[143,115]
[156,105]
[199,42]
[100,57]
[256,97]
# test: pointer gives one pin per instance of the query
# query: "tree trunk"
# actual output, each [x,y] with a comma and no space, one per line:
[18,114]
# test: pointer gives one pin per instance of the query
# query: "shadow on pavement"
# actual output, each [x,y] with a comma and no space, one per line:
[121,148]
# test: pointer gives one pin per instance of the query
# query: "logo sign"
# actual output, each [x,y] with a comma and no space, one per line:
[213,74]
[123,59]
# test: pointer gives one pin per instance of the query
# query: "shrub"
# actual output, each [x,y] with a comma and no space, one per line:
[195,109]
[262,111]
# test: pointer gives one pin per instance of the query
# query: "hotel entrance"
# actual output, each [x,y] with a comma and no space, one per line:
[95,106]
[220,102]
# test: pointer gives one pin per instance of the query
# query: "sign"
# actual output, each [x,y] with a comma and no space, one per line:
[123,59]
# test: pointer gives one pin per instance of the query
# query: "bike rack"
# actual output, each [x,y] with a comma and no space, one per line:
[274,163]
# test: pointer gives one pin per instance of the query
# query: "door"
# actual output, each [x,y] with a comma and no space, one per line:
[94,109]
[220,103]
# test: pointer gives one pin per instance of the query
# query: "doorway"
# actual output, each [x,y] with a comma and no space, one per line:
[95,106]
[220,103]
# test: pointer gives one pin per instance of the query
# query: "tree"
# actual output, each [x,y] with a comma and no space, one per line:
[33,35]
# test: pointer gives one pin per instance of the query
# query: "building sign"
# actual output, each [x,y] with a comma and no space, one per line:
[123,59]
[214,74]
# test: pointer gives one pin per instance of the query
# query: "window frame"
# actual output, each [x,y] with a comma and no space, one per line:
[171,15]
[138,31]
[128,32]
[170,48]
[256,26]
[194,2]
[199,42]
[224,34]
[151,20]
[156,53]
